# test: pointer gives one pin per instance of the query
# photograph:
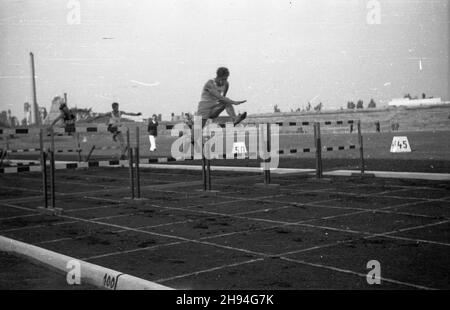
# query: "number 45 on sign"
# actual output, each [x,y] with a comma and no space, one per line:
[400,145]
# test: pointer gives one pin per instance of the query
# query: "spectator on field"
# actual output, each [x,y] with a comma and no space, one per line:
[152,129]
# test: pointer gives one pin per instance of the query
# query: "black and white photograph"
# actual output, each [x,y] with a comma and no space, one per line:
[224,152]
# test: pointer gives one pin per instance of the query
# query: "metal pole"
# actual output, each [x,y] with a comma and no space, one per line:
[35,105]
[203,166]
[89,154]
[361,148]
[208,170]
[78,146]
[138,178]
[318,145]
[5,154]
[43,167]
[52,167]
[269,146]
[130,164]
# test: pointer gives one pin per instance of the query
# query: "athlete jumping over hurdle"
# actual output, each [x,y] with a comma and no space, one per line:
[214,101]
[65,115]
[114,125]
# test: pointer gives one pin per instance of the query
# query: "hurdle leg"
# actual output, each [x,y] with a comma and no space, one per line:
[2,156]
[52,210]
[52,178]
[204,171]
[361,149]
[52,170]
[130,164]
[268,148]
[268,144]
[208,172]
[5,153]
[43,168]
[318,144]
[44,178]
[77,136]
[136,150]
[89,154]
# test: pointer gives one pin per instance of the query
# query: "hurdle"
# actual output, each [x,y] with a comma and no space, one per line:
[266,170]
[102,148]
[318,149]
[52,210]
[138,178]
[49,154]
[361,155]
[133,166]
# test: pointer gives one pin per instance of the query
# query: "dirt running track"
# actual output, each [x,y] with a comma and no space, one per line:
[303,234]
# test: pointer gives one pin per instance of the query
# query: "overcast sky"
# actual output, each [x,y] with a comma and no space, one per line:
[154,56]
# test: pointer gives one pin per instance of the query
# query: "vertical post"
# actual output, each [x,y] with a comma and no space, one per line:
[89,154]
[35,105]
[361,148]
[130,164]
[208,170]
[138,178]
[269,146]
[65,99]
[52,167]
[318,145]
[7,143]
[77,136]
[205,187]
[5,154]
[43,167]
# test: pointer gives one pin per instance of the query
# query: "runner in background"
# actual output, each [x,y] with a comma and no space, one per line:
[114,126]
[66,116]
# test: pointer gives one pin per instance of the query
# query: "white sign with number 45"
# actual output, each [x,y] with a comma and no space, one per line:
[400,145]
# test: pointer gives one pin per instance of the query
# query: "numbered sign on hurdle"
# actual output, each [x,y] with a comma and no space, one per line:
[400,145]
[239,148]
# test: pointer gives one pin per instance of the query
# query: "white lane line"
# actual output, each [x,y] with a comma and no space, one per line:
[22,189]
[153,247]
[196,241]
[196,273]
[18,217]
[341,270]
[36,226]
[112,231]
